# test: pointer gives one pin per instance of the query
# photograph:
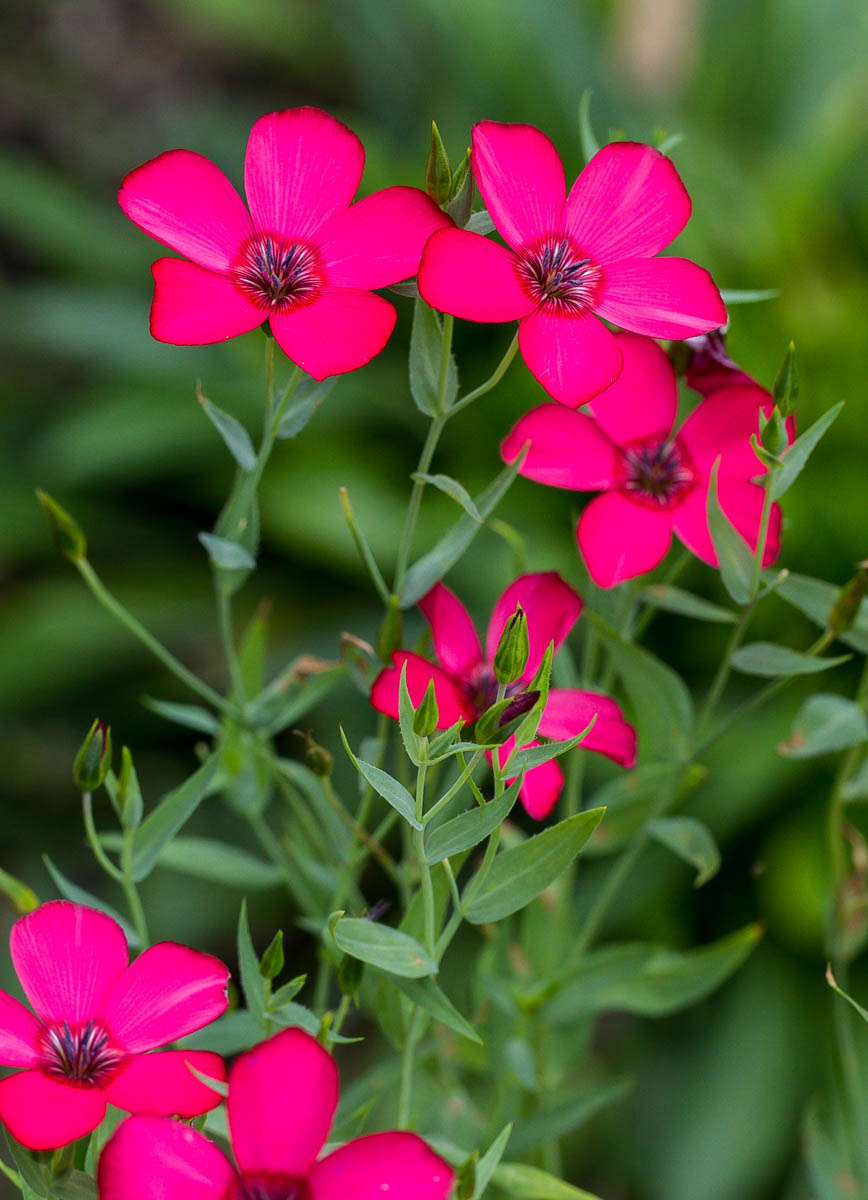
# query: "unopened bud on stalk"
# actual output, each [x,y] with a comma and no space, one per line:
[129,794]
[785,390]
[316,756]
[461,204]
[68,536]
[428,713]
[438,173]
[512,649]
[774,433]
[391,631]
[350,974]
[271,963]
[846,607]
[94,759]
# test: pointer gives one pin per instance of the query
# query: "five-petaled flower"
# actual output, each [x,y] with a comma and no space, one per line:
[572,258]
[303,258]
[465,686]
[654,480]
[282,1099]
[96,1018]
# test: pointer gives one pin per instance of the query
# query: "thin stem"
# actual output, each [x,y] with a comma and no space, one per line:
[723,671]
[93,839]
[424,868]
[492,381]
[131,892]
[227,637]
[366,554]
[445,356]
[406,543]
[341,1014]
[762,537]
[177,668]
[456,787]
[405,1094]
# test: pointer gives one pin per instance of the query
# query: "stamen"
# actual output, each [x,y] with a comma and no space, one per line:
[277,274]
[272,1187]
[558,277]
[657,471]
[80,1055]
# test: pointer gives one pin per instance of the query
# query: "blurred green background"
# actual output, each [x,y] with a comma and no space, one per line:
[772,97]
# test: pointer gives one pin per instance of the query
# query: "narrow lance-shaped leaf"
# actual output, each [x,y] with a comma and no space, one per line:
[685,604]
[192,716]
[690,840]
[452,488]
[793,461]
[767,659]
[233,433]
[488,1163]
[535,756]
[815,598]
[383,947]
[226,554]
[429,996]
[252,982]
[589,143]
[384,785]
[470,828]
[426,349]
[173,811]
[307,398]
[733,553]
[825,724]
[78,895]
[206,858]
[532,1183]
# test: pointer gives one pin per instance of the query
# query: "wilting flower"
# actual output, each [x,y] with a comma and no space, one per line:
[303,258]
[465,685]
[282,1098]
[96,1018]
[572,259]
[654,480]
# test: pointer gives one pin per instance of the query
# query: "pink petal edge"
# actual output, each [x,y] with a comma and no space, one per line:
[162,1084]
[155,1158]
[567,449]
[551,606]
[620,539]
[399,1165]
[521,178]
[643,399]
[452,703]
[195,307]
[341,330]
[573,357]
[455,639]
[43,1113]
[660,297]
[471,277]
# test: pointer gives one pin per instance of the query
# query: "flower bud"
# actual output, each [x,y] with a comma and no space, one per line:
[461,204]
[512,649]
[391,631]
[316,756]
[774,433]
[488,726]
[129,795]
[427,714]
[846,606]
[350,974]
[22,898]
[68,537]
[94,759]
[786,386]
[271,963]
[438,173]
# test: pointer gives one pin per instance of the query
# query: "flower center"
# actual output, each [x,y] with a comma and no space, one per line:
[481,691]
[271,1187]
[657,470]
[558,276]
[80,1055]
[275,273]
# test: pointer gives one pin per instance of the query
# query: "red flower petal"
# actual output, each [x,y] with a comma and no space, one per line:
[150,1157]
[188,204]
[398,1165]
[380,239]
[567,449]
[471,277]
[282,1097]
[302,167]
[19,1030]
[455,638]
[542,785]
[162,1085]
[193,307]
[721,427]
[341,330]
[521,179]
[660,297]
[643,399]
[619,539]
[568,712]
[451,701]
[742,502]
[42,1113]
[168,992]
[67,957]
[551,607]
[573,357]
[629,202]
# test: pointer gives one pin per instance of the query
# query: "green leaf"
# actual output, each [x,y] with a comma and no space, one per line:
[824,724]
[189,715]
[71,891]
[206,858]
[284,701]
[785,389]
[530,1183]
[660,700]
[480,222]
[252,982]
[690,840]
[470,828]
[768,660]
[674,600]
[429,996]
[238,523]
[590,145]
[519,875]
[827,1154]
[733,553]
[748,295]
[233,433]
[230,1034]
[794,459]
[452,488]
[556,1120]
[220,1086]
[173,812]
[535,756]
[32,1171]
[426,347]
[225,554]
[429,569]
[833,984]
[307,398]
[383,947]
[857,787]
[488,1163]
[648,980]
[252,653]
[384,785]
[815,598]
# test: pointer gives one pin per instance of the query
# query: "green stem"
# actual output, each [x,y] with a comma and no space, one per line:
[224,619]
[13,1176]
[762,537]
[380,853]
[445,356]
[422,862]
[177,668]
[131,892]
[93,839]
[406,543]
[408,1058]
[341,1014]
[455,788]
[492,381]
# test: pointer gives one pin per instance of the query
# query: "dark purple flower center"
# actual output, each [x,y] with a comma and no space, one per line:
[275,273]
[271,1187]
[82,1055]
[657,470]
[481,690]
[558,276]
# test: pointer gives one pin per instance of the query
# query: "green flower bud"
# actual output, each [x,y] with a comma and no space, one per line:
[774,433]
[461,204]
[512,649]
[271,963]
[786,386]
[129,794]
[427,714]
[488,727]
[94,759]
[438,173]
[68,537]
[350,975]
[316,756]
[22,898]
[391,631]
[846,607]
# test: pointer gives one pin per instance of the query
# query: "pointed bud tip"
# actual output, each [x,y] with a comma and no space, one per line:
[68,536]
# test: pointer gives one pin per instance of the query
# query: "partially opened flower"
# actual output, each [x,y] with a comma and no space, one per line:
[303,258]
[572,258]
[654,479]
[96,1018]
[465,685]
[282,1099]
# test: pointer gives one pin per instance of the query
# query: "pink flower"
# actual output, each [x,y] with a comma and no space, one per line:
[303,258]
[465,686]
[96,1018]
[654,480]
[571,257]
[282,1098]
